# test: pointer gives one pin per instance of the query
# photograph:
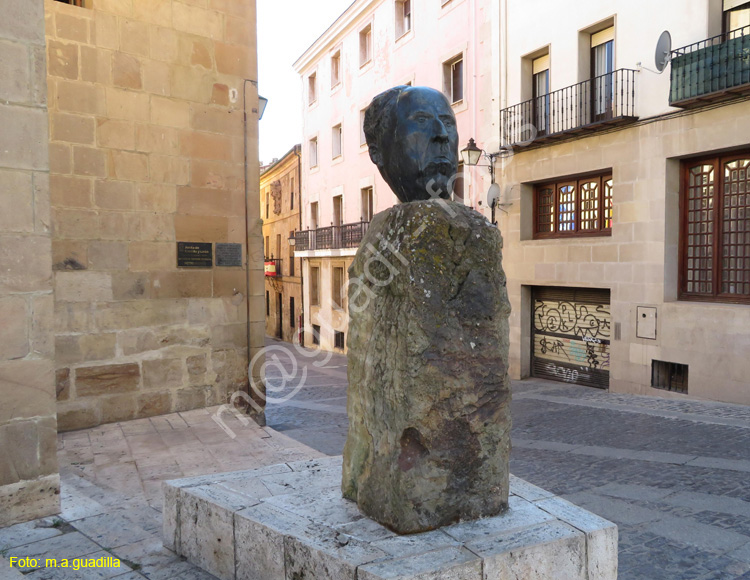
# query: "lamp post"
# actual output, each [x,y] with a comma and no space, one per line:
[471,154]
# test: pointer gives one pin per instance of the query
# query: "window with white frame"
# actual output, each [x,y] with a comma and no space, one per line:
[453,79]
[367,203]
[312,88]
[336,69]
[365,45]
[314,152]
[403,17]
[336,141]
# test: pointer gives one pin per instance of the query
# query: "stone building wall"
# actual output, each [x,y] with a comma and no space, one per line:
[147,149]
[281,183]
[639,262]
[29,482]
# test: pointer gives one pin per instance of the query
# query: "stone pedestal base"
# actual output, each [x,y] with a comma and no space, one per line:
[289,521]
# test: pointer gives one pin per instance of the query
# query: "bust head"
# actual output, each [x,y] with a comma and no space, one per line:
[412,137]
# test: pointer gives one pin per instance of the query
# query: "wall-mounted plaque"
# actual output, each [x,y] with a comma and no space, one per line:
[229,254]
[194,255]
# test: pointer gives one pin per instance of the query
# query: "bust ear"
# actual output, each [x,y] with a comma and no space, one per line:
[375,156]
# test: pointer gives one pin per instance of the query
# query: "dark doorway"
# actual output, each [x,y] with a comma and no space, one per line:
[279,326]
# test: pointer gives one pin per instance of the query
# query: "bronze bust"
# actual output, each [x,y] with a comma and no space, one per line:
[412,136]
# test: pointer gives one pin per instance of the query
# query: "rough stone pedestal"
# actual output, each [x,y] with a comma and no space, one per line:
[289,522]
[429,394]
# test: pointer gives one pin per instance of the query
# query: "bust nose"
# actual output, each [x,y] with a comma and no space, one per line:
[441,133]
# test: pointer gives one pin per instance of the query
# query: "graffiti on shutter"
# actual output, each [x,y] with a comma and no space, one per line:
[571,335]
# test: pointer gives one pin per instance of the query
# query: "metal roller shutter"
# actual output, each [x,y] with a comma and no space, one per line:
[570,335]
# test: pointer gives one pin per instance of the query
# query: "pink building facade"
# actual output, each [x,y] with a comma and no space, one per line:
[373,46]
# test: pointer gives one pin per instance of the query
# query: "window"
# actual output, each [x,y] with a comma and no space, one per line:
[314,215]
[268,247]
[338,210]
[291,194]
[458,184]
[268,204]
[403,17]
[453,79]
[365,45]
[337,287]
[540,94]
[736,15]
[278,248]
[362,136]
[314,152]
[715,229]
[338,340]
[367,204]
[268,303]
[80,3]
[336,138]
[315,286]
[336,69]
[312,88]
[602,67]
[669,376]
[316,334]
[574,207]
[291,256]
[291,311]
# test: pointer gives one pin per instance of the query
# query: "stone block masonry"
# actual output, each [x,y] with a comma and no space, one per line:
[29,480]
[147,149]
[290,521]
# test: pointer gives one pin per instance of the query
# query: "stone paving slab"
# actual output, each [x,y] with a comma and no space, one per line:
[305,529]
[111,496]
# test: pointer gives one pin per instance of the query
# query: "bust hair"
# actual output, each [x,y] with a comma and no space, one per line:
[379,117]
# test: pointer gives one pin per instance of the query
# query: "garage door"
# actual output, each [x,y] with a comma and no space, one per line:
[570,335]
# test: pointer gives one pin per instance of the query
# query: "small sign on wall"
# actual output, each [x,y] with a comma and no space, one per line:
[195,255]
[229,255]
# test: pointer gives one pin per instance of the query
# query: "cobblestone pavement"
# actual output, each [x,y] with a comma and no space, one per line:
[673,474]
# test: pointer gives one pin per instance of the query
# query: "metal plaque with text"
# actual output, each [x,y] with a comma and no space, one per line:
[195,255]
[229,255]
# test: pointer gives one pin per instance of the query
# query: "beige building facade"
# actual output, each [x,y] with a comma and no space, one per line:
[153,122]
[626,244]
[280,200]
[29,480]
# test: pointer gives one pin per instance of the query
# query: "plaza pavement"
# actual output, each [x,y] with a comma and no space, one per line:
[673,474]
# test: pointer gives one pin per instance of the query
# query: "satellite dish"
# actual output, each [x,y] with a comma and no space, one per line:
[663,51]
[493,195]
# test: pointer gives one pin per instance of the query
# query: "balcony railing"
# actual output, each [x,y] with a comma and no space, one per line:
[587,106]
[715,69]
[331,237]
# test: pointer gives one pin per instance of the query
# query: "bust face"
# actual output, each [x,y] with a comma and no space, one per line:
[420,157]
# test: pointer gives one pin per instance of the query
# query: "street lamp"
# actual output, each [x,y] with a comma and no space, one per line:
[262,102]
[471,154]
[292,240]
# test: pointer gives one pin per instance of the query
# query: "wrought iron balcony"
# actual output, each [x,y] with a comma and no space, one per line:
[716,69]
[588,106]
[331,237]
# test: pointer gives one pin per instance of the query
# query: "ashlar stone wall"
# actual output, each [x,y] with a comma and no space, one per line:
[29,482]
[147,149]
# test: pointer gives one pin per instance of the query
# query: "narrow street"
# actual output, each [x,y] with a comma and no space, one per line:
[672,474]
